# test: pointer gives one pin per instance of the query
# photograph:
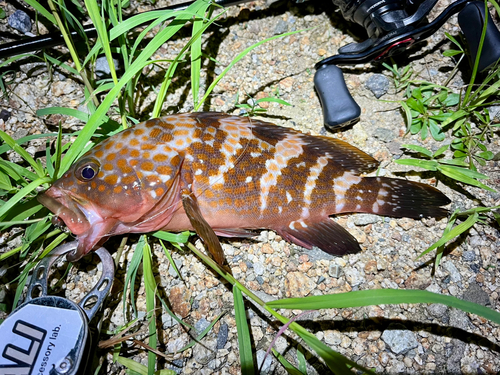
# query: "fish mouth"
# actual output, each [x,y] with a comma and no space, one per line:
[80,217]
[65,209]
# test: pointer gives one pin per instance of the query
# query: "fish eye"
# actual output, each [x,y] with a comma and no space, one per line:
[87,171]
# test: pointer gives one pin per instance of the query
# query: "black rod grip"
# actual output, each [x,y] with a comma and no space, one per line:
[339,108]
[471,20]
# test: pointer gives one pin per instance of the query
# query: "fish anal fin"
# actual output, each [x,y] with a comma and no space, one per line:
[235,232]
[200,225]
[324,233]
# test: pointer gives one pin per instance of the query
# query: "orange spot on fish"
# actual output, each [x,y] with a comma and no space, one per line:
[101,188]
[138,132]
[117,189]
[148,146]
[147,166]
[109,145]
[166,137]
[124,151]
[135,153]
[134,162]
[127,180]
[175,161]
[134,142]
[159,191]
[179,142]
[107,167]
[99,154]
[119,145]
[111,157]
[162,169]
[146,155]
[111,179]
[159,158]
[100,174]
[155,133]
[93,185]
[229,149]
[181,133]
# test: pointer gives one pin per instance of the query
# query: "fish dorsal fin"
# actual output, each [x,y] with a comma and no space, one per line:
[200,225]
[325,234]
[346,155]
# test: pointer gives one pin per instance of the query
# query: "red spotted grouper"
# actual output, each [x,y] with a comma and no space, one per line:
[227,175]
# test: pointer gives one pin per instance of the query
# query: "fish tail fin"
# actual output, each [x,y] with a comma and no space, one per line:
[394,197]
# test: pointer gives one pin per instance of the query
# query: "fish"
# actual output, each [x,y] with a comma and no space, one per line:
[228,176]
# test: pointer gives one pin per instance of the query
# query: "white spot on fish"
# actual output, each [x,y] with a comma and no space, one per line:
[248,179]
[313,176]
[342,184]
[288,197]
[375,207]
[198,172]
[255,154]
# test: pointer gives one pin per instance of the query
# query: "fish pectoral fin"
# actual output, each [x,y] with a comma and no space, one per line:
[324,234]
[202,228]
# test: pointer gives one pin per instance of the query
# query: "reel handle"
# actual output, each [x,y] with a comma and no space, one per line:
[339,108]
[471,20]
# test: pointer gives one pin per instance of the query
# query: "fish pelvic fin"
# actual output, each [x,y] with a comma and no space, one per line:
[325,234]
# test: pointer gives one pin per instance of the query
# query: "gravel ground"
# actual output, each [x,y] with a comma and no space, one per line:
[399,338]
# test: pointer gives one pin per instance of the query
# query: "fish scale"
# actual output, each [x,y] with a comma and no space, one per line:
[228,175]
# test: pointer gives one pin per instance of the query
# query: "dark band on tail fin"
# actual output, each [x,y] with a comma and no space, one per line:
[396,197]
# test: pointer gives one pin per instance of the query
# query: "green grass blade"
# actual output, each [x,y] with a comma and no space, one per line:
[22,193]
[42,10]
[82,116]
[102,33]
[20,141]
[172,237]
[196,56]
[171,260]
[291,369]
[463,175]
[453,233]
[22,152]
[430,165]
[150,289]
[201,335]
[244,341]
[130,276]
[382,297]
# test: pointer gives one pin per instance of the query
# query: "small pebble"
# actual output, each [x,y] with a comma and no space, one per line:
[20,21]
[378,84]
[399,339]
[222,336]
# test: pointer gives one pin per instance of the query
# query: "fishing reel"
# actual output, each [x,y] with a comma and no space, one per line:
[392,27]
